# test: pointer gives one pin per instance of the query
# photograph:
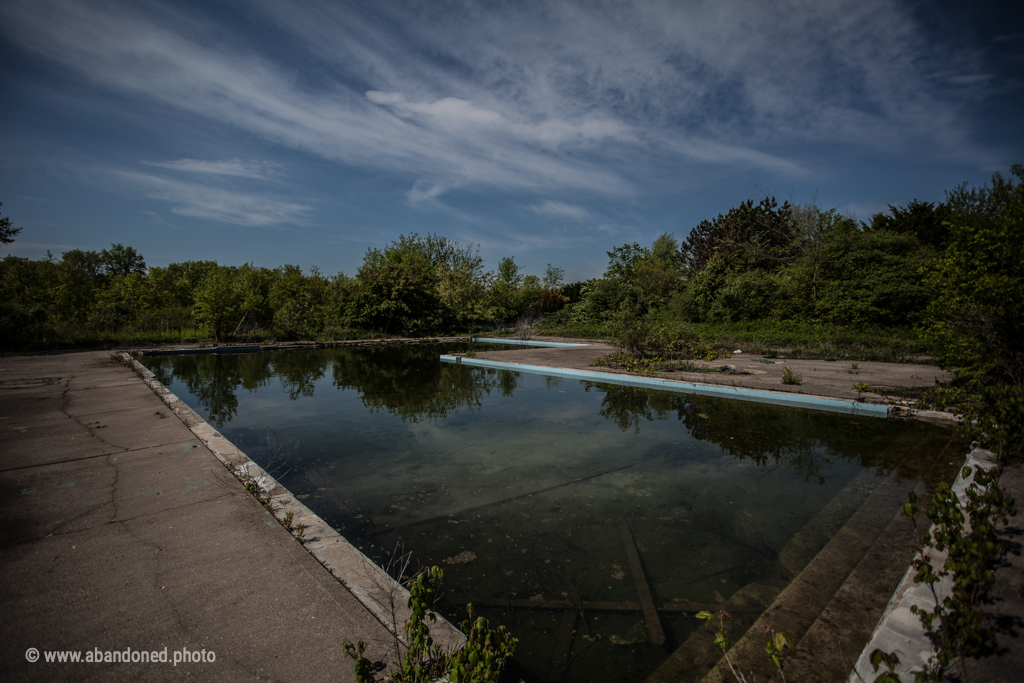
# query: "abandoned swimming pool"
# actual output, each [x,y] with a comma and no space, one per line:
[550,502]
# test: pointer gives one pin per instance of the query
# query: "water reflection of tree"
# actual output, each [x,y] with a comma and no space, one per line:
[213,380]
[765,434]
[411,383]
[407,381]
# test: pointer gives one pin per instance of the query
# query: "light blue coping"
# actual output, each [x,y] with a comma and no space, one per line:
[795,400]
[521,342]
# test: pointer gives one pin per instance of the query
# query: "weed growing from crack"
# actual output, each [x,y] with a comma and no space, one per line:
[789,377]
[778,642]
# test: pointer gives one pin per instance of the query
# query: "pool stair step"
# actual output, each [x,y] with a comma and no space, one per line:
[799,606]
[832,643]
[828,649]
[870,555]
[854,526]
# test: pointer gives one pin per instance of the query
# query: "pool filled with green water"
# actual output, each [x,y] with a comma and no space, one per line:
[527,489]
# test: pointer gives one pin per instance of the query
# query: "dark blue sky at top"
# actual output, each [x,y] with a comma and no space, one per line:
[307,132]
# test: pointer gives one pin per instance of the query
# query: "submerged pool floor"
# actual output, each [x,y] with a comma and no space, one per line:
[527,489]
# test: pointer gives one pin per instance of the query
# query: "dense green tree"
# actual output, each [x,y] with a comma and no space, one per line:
[417,285]
[762,232]
[26,300]
[978,311]
[7,233]
[924,220]
[217,303]
[299,302]
[553,277]
[122,260]
[622,261]
[504,297]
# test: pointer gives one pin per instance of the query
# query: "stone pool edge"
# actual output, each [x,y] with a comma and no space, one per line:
[384,597]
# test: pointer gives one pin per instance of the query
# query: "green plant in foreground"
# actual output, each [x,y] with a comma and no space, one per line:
[778,642]
[891,661]
[788,377]
[966,532]
[480,660]
[363,667]
[483,656]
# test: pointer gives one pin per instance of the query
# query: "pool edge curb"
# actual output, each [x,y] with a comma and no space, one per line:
[739,393]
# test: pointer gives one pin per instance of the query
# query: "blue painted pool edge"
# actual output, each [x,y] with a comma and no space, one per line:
[776,398]
[522,342]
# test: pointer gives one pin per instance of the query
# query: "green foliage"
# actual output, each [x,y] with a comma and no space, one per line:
[891,661]
[636,364]
[697,302]
[817,282]
[484,655]
[928,223]
[553,277]
[788,377]
[774,649]
[7,233]
[423,659]
[364,668]
[480,660]
[633,328]
[870,278]
[966,532]
[978,313]
[622,260]
[778,643]
[122,260]
[217,303]
[759,235]
[977,316]
[419,284]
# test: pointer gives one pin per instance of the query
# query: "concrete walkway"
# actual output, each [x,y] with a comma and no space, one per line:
[122,530]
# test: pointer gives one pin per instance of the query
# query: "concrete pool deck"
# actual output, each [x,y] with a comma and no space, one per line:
[123,530]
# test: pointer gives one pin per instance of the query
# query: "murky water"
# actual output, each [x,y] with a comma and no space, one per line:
[527,490]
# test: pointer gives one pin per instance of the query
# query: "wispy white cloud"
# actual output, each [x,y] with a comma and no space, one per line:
[558,209]
[224,205]
[234,167]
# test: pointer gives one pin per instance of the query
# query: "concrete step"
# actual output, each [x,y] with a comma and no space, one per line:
[820,557]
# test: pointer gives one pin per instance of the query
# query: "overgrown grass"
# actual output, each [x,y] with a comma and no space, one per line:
[802,340]
[792,340]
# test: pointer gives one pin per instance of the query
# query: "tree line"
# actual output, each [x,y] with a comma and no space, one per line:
[414,286]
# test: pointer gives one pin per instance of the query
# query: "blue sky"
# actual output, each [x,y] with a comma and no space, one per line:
[307,132]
